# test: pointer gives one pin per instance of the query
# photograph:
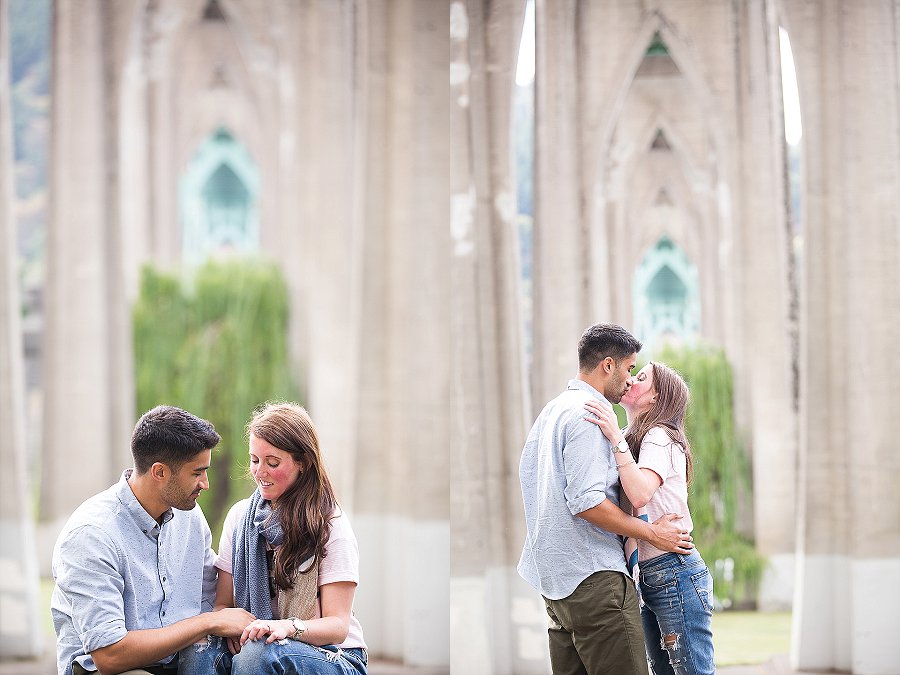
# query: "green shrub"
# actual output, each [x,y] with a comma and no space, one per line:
[217,347]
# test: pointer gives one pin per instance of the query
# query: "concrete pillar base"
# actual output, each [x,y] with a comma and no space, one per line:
[22,634]
[847,614]
[820,637]
[403,611]
[875,613]
[500,599]
[776,591]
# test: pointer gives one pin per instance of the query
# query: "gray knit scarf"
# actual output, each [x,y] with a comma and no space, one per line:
[248,554]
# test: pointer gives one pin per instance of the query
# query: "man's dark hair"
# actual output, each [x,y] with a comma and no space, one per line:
[602,340]
[170,435]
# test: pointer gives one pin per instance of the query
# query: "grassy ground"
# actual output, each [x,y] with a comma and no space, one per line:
[750,637]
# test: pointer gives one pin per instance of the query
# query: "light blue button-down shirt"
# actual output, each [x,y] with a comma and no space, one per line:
[566,468]
[118,570]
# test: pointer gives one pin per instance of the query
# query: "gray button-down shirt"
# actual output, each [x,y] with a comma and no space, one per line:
[118,570]
[567,467]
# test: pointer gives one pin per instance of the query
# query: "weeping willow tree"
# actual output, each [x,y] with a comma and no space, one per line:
[217,347]
[721,474]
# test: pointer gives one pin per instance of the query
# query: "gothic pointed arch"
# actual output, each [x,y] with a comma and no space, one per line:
[660,135]
[666,296]
[668,209]
[659,140]
[664,133]
[218,197]
[659,33]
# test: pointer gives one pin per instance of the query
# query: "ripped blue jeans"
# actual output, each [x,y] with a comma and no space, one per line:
[284,657]
[676,591]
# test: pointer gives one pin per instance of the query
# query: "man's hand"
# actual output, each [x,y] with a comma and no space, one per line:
[230,622]
[670,536]
[140,647]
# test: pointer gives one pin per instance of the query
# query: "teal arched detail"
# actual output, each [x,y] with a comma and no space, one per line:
[218,198]
[666,296]
[657,46]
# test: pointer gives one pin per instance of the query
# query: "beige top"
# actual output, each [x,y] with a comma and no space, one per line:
[340,564]
[667,459]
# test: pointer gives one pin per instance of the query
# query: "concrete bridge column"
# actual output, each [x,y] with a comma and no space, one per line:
[561,255]
[319,234]
[402,485]
[88,405]
[847,602]
[762,353]
[20,627]
[494,613]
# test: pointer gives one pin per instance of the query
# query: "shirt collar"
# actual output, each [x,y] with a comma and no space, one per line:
[144,520]
[584,386]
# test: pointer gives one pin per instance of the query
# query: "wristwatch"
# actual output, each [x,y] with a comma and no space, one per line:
[621,446]
[299,627]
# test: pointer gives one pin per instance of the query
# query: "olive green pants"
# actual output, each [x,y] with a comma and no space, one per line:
[597,630]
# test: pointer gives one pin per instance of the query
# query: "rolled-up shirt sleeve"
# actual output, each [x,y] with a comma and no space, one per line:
[586,462]
[94,586]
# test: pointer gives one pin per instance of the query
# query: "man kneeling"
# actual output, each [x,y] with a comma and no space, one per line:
[134,570]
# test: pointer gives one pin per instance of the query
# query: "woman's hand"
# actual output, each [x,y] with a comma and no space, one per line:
[607,421]
[275,629]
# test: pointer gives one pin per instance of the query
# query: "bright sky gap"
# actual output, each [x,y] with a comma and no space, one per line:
[793,130]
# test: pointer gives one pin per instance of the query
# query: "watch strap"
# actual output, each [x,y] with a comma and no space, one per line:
[299,627]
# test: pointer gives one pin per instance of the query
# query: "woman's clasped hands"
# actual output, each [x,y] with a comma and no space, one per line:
[275,629]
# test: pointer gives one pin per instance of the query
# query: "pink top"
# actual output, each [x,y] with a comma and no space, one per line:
[667,459]
[340,564]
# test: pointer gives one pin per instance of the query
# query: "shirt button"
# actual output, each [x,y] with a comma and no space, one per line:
[164,613]
[164,578]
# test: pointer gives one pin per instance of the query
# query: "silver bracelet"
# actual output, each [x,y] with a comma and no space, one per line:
[625,464]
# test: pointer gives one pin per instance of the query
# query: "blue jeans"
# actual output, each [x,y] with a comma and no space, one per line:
[284,657]
[677,614]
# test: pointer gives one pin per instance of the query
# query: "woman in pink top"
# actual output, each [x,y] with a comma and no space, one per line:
[289,557]
[655,467]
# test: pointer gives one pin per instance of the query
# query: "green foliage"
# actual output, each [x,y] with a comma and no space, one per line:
[217,350]
[721,473]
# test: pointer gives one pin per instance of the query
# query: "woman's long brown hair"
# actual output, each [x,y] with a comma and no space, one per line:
[667,411]
[306,508]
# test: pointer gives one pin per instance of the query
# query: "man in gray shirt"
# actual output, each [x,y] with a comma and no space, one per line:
[573,553]
[134,566]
